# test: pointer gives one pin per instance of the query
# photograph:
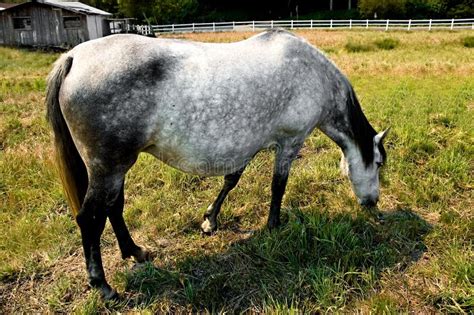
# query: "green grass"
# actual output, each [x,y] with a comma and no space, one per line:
[386,43]
[329,256]
[382,43]
[357,47]
[468,41]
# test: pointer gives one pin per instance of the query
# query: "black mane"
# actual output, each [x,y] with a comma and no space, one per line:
[361,131]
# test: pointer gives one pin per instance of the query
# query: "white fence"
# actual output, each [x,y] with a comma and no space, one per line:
[407,25]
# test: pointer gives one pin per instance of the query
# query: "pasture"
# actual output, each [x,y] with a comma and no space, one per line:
[329,255]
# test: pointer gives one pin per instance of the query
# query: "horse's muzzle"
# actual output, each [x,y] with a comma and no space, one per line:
[369,203]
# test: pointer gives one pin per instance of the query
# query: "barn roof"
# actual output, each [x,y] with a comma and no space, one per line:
[77,7]
[4,6]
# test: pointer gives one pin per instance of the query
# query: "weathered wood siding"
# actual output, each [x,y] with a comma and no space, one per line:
[2,28]
[97,26]
[49,26]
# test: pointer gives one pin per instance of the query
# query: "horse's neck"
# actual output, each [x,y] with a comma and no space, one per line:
[336,126]
[348,127]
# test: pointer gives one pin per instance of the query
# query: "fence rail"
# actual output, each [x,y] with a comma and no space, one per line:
[408,25]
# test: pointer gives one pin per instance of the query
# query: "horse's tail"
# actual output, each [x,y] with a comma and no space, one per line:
[72,169]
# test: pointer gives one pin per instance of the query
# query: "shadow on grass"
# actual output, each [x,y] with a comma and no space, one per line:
[314,262]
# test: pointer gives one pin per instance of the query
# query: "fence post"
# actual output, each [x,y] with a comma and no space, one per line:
[271,24]
[291,24]
[386,26]
[429,27]
[213,26]
[452,24]
[233,25]
[172,28]
[194,27]
[330,25]
[409,24]
[253,26]
[350,24]
[311,24]
[367,25]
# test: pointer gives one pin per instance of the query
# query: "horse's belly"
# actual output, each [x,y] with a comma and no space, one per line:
[192,159]
[210,139]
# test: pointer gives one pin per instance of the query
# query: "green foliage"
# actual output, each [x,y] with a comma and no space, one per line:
[352,46]
[414,9]
[382,9]
[159,11]
[468,41]
[334,14]
[173,11]
[387,43]
[425,8]
[139,9]
[106,5]
[461,9]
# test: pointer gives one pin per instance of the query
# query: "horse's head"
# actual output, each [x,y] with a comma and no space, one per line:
[364,175]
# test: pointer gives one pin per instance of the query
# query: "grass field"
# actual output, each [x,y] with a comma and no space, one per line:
[329,256]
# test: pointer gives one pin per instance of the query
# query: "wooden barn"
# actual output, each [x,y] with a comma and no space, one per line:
[51,23]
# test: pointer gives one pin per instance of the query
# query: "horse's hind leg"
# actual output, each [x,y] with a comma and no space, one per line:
[284,157]
[210,217]
[126,243]
[102,193]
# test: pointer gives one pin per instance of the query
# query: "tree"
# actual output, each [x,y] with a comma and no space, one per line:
[460,8]
[417,8]
[173,11]
[383,8]
[139,9]
[425,8]
[158,11]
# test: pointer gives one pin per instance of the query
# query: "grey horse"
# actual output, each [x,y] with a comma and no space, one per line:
[202,108]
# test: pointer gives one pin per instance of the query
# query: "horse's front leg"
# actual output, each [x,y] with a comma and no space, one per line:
[284,156]
[210,217]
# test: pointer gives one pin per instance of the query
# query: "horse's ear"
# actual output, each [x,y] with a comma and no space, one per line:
[381,135]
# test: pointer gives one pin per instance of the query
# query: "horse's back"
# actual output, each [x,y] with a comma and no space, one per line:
[195,103]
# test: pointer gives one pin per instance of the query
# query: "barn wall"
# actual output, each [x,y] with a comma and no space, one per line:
[93,26]
[105,26]
[43,29]
[49,27]
[74,35]
[3,27]
[7,29]
[97,26]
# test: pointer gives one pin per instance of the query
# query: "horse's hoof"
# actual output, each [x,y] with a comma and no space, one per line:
[380,218]
[207,227]
[143,255]
[109,294]
[273,224]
